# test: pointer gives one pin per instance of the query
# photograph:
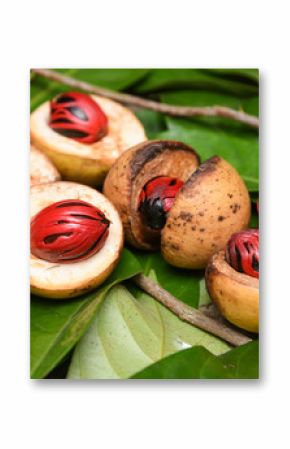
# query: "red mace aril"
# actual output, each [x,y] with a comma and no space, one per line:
[78,116]
[156,199]
[242,252]
[68,231]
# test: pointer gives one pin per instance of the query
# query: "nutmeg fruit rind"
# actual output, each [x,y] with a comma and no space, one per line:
[212,204]
[61,281]
[42,169]
[133,170]
[87,163]
[235,294]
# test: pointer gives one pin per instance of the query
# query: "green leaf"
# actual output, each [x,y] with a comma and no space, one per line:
[186,364]
[183,284]
[202,98]
[160,80]
[204,298]
[251,105]
[129,334]
[241,150]
[153,122]
[233,141]
[56,326]
[242,362]
[242,74]
[199,363]
[115,79]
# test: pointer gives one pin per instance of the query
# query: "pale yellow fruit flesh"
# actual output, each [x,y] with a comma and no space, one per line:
[87,163]
[235,294]
[61,281]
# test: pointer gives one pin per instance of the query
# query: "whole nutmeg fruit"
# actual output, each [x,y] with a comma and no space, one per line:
[138,184]
[168,200]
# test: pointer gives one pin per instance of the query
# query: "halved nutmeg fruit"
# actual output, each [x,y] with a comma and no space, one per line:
[232,280]
[42,169]
[84,134]
[76,239]
[165,198]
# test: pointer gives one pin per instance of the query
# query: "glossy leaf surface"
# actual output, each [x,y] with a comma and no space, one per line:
[56,326]
[129,334]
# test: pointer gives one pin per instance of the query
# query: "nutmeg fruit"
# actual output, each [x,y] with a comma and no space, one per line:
[233,283]
[213,204]
[76,239]
[42,169]
[129,176]
[72,147]
[209,205]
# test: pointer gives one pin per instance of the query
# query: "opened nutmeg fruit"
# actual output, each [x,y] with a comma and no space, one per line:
[167,199]
[232,280]
[42,169]
[76,239]
[84,134]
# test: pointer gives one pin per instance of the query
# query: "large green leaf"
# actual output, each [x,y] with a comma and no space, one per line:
[241,74]
[251,105]
[129,334]
[116,79]
[159,80]
[238,149]
[235,142]
[242,362]
[201,98]
[186,364]
[199,363]
[56,326]
[153,122]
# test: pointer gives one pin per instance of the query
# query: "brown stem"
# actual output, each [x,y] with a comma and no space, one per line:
[190,315]
[178,111]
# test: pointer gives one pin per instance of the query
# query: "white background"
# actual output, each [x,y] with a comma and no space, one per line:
[62,414]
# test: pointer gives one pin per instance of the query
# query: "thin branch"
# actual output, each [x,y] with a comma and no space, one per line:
[190,315]
[178,111]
